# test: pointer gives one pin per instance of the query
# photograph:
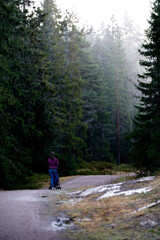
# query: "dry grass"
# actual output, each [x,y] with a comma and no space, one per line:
[63,179]
[113,218]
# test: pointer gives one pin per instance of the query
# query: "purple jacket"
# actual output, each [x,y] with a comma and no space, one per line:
[53,164]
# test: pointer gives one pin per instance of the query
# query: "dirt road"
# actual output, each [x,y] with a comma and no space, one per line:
[90,181]
[24,215]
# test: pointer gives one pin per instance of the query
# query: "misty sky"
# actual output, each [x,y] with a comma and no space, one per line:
[93,12]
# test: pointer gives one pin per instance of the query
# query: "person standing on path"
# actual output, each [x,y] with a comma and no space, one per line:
[53,164]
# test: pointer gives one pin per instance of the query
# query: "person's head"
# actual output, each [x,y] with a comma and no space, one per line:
[52,154]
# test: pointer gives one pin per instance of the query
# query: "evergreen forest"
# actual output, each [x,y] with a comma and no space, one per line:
[88,95]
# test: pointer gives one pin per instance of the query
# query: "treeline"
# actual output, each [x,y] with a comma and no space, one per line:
[63,89]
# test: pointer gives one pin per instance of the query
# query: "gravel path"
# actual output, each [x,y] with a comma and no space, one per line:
[24,215]
[90,181]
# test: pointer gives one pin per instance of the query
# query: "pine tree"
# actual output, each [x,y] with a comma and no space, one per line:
[145,136]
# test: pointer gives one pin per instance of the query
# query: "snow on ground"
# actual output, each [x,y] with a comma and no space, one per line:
[109,187]
[149,223]
[148,206]
[111,190]
[145,179]
[62,223]
[126,193]
[104,191]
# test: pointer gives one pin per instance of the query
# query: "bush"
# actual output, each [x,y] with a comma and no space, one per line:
[36,181]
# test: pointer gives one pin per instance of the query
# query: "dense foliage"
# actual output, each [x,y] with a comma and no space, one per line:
[21,101]
[61,88]
[147,123]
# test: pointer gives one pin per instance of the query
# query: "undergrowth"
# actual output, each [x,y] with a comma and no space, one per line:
[103,168]
[36,181]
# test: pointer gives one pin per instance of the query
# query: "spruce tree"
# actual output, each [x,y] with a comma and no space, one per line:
[132,40]
[95,113]
[19,91]
[110,55]
[61,39]
[145,139]
[73,136]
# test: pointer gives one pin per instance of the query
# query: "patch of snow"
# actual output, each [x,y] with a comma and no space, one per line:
[126,193]
[110,190]
[73,201]
[62,223]
[71,193]
[86,219]
[145,179]
[109,187]
[148,206]
[149,222]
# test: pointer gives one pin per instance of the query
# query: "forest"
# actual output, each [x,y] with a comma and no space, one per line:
[86,95]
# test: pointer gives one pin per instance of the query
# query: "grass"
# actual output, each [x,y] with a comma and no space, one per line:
[124,179]
[103,168]
[113,218]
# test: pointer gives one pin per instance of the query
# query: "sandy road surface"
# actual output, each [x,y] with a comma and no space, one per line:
[90,181]
[24,216]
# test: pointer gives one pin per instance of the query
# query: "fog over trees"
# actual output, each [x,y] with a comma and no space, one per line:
[72,90]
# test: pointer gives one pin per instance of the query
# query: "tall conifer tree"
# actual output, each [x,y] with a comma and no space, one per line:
[95,113]
[61,39]
[20,82]
[110,55]
[147,122]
